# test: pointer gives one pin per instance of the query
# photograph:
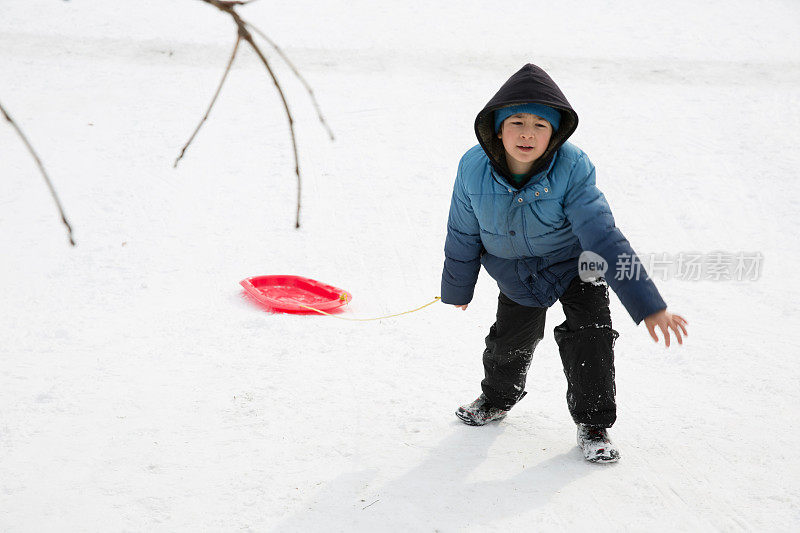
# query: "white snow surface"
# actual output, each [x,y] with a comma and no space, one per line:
[140,391]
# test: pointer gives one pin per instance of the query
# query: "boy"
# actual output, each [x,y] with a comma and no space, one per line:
[525,206]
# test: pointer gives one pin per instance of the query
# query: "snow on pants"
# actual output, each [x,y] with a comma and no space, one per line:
[585,341]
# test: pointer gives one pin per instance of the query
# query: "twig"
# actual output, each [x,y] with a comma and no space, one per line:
[44,173]
[213,100]
[296,73]
[249,38]
[373,503]
[229,7]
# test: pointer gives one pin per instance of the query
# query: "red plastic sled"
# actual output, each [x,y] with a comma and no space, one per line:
[284,294]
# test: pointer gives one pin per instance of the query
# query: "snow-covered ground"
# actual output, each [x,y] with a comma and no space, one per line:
[140,391]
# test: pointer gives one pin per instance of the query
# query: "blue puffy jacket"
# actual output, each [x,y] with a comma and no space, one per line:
[529,239]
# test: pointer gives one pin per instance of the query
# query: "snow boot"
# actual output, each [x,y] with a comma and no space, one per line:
[596,446]
[480,412]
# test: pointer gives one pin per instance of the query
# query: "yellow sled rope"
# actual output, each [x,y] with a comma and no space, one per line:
[344,299]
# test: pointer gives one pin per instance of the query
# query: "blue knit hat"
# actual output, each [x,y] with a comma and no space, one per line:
[548,113]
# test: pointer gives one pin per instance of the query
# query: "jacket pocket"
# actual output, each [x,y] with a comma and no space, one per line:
[549,213]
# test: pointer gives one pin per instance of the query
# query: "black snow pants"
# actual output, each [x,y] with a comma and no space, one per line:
[585,341]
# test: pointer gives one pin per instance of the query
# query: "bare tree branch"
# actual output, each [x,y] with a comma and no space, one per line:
[296,73]
[249,38]
[229,7]
[44,173]
[213,100]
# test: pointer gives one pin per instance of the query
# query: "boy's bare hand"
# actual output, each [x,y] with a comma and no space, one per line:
[462,307]
[666,320]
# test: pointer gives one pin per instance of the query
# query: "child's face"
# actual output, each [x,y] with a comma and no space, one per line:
[525,138]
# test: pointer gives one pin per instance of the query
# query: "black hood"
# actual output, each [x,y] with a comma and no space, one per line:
[530,85]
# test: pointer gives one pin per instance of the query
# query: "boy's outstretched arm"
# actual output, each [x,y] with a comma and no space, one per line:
[592,222]
[462,248]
